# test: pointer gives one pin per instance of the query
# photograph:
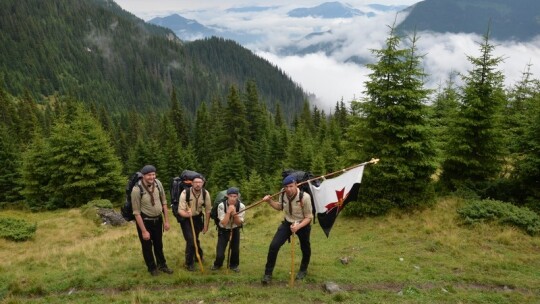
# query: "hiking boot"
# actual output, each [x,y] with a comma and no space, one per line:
[301,275]
[166,270]
[234,268]
[267,278]
[190,267]
[154,272]
[214,267]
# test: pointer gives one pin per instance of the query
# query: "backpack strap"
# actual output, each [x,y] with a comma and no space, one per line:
[301,198]
[203,193]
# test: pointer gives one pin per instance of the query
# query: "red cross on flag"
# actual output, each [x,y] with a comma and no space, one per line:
[333,195]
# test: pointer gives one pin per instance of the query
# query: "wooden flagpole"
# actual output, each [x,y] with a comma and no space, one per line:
[372,161]
[291,280]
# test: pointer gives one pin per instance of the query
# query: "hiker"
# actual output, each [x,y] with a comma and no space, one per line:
[230,222]
[296,206]
[197,207]
[150,211]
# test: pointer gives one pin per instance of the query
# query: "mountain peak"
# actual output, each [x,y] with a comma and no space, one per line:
[328,10]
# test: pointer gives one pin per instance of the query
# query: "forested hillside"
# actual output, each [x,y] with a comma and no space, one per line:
[98,53]
[69,149]
[507,19]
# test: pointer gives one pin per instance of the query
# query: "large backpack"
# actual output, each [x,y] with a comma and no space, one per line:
[179,184]
[127,209]
[221,198]
[302,176]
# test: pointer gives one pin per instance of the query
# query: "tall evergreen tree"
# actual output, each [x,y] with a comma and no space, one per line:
[443,112]
[170,162]
[203,138]
[77,165]
[475,148]
[396,131]
[10,163]
[523,122]
[238,137]
[178,119]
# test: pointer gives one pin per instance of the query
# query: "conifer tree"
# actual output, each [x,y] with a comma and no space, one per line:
[238,137]
[35,176]
[203,138]
[523,125]
[228,170]
[10,163]
[396,131]
[253,188]
[178,119]
[443,112]
[257,127]
[170,162]
[77,164]
[474,153]
[301,150]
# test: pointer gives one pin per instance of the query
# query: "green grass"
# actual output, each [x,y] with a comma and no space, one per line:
[424,257]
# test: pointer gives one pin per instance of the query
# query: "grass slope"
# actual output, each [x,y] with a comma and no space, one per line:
[425,257]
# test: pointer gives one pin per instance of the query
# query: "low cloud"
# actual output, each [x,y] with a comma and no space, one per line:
[329,76]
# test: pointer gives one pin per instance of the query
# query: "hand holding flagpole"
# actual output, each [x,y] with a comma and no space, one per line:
[372,161]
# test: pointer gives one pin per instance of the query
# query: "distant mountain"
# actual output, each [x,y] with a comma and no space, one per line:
[190,30]
[387,8]
[507,19]
[248,9]
[327,10]
[185,29]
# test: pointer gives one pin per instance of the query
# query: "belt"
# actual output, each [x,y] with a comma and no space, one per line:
[157,218]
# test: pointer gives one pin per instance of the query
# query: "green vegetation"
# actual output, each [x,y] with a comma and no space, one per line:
[94,51]
[16,229]
[501,212]
[510,20]
[74,123]
[419,257]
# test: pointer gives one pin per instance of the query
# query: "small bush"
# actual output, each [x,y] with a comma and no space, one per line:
[16,230]
[504,213]
[89,209]
[101,203]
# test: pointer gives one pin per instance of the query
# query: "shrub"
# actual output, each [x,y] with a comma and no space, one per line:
[500,212]
[16,229]
[89,209]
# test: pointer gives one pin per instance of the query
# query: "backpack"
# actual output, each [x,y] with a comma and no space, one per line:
[302,176]
[127,209]
[179,184]
[221,198]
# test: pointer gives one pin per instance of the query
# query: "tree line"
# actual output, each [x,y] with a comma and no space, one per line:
[476,138]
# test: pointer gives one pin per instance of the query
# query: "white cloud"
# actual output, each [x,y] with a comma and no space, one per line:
[328,76]
[329,79]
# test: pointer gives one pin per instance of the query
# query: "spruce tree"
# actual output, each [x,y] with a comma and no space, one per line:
[443,112]
[178,119]
[474,150]
[396,131]
[236,124]
[523,122]
[10,163]
[75,165]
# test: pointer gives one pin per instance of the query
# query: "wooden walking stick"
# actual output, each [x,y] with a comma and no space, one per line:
[229,249]
[291,281]
[229,252]
[195,242]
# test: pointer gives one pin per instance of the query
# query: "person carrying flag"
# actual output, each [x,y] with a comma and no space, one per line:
[296,206]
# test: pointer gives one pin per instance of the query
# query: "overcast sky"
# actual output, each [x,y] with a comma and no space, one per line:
[328,77]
